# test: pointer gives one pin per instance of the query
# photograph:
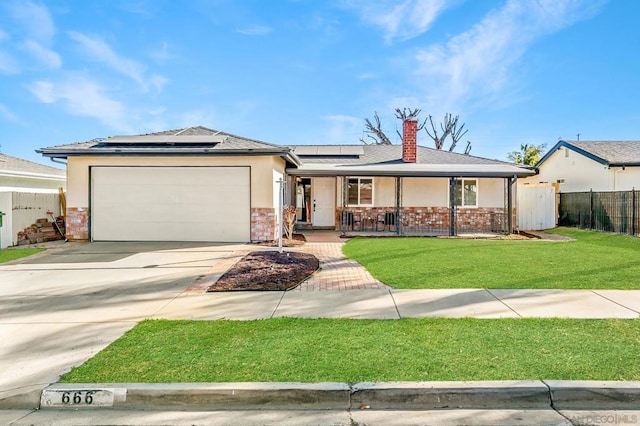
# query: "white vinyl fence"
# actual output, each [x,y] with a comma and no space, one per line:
[536,207]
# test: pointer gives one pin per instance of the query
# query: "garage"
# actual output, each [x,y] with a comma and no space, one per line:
[170,204]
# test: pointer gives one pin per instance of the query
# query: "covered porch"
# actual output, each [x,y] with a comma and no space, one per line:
[461,213]
[405,206]
[403,190]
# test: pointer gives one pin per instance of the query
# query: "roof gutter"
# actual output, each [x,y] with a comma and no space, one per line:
[60,154]
[635,164]
[390,173]
[56,160]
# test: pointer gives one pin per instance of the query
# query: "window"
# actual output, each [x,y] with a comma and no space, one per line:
[466,193]
[360,191]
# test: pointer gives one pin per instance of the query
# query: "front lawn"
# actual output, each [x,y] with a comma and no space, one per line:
[346,350]
[593,261]
[7,255]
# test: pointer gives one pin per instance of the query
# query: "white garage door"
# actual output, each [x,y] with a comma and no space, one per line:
[170,204]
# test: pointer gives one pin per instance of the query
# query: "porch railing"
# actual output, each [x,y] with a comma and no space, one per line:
[423,222]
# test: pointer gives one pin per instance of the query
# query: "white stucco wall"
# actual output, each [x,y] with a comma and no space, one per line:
[429,192]
[583,174]
[425,192]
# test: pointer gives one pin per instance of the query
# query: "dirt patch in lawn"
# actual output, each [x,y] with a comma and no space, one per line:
[268,271]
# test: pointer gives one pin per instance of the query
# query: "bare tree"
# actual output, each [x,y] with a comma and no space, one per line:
[409,114]
[449,127]
[375,132]
[456,133]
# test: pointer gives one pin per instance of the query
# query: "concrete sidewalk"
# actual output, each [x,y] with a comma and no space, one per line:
[395,304]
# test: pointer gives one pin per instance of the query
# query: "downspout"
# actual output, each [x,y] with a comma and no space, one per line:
[55,160]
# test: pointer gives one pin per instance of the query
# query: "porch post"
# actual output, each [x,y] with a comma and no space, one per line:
[510,181]
[343,205]
[633,211]
[452,207]
[398,205]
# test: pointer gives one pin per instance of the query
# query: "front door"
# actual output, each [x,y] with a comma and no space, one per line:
[323,207]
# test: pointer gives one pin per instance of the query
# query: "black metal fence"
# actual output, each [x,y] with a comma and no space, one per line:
[617,211]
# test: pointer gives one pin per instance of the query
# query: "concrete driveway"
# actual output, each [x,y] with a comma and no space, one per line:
[59,308]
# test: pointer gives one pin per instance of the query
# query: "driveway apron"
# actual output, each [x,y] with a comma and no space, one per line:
[59,308]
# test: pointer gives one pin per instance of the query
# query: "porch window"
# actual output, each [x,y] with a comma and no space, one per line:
[466,193]
[360,191]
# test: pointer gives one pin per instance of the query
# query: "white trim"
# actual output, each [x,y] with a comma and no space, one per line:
[475,206]
[31,175]
[359,204]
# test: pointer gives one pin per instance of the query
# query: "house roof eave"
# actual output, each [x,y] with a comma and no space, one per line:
[58,153]
[30,175]
[381,172]
[565,144]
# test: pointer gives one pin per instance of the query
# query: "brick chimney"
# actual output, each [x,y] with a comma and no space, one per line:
[409,141]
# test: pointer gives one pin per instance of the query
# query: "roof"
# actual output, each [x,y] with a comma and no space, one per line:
[608,153]
[303,160]
[17,167]
[188,141]
[386,160]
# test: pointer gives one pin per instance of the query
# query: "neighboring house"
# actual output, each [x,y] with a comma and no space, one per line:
[27,191]
[197,184]
[579,166]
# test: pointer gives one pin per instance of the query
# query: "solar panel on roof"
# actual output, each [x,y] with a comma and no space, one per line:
[329,150]
[164,139]
[306,150]
[351,150]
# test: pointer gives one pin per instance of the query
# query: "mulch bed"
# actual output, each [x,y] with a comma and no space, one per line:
[267,271]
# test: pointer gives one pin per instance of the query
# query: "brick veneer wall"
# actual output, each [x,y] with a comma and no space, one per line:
[415,219]
[263,224]
[77,224]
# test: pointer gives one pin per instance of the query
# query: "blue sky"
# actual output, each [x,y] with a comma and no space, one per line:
[310,71]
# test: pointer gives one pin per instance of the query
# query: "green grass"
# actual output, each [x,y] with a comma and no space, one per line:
[345,350]
[593,261]
[7,255]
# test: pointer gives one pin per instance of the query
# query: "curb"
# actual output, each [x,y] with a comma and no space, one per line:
[533,394]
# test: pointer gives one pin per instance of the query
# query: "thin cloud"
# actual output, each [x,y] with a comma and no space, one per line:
[162,54]
[255,30]
[83,97]
[46,56]
[7,114]
[101,52]
[8,64]
[35,18]
[343,129]
[402,21]
[478,62]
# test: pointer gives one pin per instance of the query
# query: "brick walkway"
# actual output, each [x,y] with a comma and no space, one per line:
[336,271]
